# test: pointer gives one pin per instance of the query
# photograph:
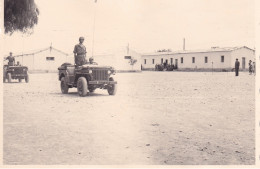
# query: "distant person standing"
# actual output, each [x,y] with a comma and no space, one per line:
[237,64]
[80,53]
[250,66]
[11,59]
[254,68]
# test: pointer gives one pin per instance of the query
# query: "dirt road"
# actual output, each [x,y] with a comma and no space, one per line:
[156,118]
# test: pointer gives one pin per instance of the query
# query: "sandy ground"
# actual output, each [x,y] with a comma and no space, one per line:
[156,118]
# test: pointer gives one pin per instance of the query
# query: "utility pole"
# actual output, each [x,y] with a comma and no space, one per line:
[183,44]
[33,61]
[127,48]
[212,67]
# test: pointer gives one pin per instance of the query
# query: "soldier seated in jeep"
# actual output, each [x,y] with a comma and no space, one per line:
[91,61]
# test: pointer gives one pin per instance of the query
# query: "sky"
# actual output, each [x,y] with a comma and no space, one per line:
[146,25]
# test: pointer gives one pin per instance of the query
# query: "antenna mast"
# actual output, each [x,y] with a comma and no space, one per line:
[94,27]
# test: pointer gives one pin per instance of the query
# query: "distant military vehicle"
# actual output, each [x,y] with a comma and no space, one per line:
[87,77]
[15,72]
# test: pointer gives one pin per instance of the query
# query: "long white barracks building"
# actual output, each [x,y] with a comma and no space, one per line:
[215,58]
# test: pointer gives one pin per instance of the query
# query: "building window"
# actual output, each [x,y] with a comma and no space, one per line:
[181,59]
[153,61]
[222,58]
[206,59]
[161,60]
[171,61]
[193,59]
[50,58]
[144,61]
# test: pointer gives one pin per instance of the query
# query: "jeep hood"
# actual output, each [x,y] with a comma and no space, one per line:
[97,66]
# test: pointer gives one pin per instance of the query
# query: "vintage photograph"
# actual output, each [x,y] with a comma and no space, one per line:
[129,82]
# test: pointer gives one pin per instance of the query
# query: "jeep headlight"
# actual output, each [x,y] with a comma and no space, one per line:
[89,71]
[108,72]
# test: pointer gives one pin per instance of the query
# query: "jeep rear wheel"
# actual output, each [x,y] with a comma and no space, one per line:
[82,86]
[63,86]
[112,88]
[27,79]
[9,77]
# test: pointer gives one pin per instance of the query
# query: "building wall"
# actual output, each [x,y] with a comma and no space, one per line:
[214,57]
[38,62]
[239,54]
[118,61]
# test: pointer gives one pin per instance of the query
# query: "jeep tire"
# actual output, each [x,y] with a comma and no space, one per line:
[112,88]
[20,80]
[63,86]
[9,77]
[82,86]
[27,79]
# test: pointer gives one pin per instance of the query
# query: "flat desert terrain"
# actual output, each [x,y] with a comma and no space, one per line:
[156,118]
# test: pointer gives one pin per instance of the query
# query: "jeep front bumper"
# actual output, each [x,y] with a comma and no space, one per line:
[102,82]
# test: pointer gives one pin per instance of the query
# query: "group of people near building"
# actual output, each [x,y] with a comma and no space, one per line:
[165,66]
[251,66]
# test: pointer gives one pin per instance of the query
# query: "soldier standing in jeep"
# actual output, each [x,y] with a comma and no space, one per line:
[11,59]
[80,53]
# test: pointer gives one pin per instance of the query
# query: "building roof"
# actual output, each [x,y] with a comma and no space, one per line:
[213,49]
[34,52]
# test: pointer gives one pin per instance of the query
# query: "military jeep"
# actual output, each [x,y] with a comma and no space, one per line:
[15,72]
[87,77]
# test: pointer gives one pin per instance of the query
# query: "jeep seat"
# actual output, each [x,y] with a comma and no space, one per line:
[71,70]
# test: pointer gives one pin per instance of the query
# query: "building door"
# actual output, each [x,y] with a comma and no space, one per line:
[243,62]
[176,63]
[166,61]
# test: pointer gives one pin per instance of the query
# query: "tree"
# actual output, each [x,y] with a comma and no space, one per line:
[132,61]
[164,50]
[20,15]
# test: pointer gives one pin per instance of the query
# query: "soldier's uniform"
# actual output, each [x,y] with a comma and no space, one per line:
[11,60]
[80,54]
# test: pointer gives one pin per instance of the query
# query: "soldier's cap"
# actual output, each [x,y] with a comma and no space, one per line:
[11,52]
[81,38]
[91,58]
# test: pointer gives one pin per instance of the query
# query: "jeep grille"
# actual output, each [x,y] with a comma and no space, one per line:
[100,74]
[19,70]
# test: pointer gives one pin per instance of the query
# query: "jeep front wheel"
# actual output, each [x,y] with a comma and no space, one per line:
[63,86]
[27,79]
[112,88]
[9,77]
[82,86]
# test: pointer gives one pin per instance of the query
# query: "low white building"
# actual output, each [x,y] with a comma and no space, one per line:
[49,59]
[214,58]
[44,60]
[120,60]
